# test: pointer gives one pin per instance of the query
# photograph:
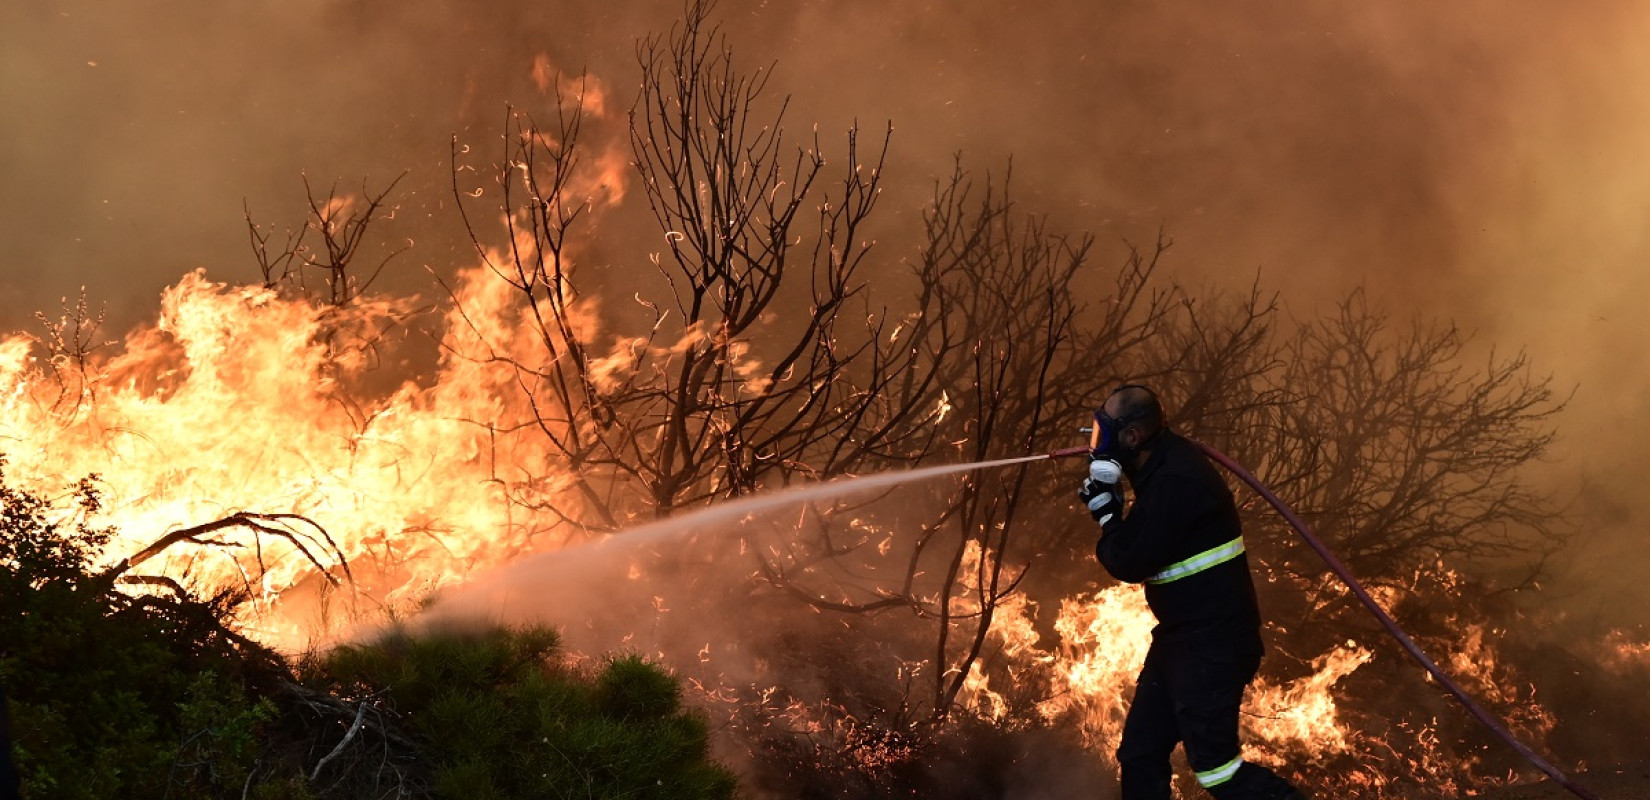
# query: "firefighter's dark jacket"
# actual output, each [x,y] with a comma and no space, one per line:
[1183,508]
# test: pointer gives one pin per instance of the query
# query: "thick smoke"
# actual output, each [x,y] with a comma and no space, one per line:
[1460,160]
[1467,161]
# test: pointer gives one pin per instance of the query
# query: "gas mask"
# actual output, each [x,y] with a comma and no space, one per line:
[1105,439]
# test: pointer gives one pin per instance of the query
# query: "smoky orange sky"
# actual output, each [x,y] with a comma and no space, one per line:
[1474,161]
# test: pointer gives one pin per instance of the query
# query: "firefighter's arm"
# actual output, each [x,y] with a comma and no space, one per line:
[1144,540]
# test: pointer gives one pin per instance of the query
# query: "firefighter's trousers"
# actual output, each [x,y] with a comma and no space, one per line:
[1192,696]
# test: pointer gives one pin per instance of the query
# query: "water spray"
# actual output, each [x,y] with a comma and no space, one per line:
[1479,712]
[729,512]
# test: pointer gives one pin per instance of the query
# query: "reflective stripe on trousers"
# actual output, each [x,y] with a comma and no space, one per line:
[1220,774]
[1208,558]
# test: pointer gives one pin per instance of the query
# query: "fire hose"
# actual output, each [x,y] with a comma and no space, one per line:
[1479,712]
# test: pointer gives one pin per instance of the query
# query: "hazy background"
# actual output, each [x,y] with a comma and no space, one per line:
[1473,161]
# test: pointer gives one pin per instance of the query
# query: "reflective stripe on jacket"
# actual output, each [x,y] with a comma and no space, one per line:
[1213,557]
[1181,537]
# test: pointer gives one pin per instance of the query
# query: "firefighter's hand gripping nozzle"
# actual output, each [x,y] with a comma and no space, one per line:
[1102,492]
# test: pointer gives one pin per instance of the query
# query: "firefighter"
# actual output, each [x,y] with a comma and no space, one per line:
[1181,538]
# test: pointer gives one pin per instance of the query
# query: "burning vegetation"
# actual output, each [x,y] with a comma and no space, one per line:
[338,456]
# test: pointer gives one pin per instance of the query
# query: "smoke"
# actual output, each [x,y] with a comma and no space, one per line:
[1461,160]
[134,134]
[1466,160]
[1457,165]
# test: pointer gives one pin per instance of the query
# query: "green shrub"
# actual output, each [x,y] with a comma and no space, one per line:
[496,715]
[632,688]
[113,695]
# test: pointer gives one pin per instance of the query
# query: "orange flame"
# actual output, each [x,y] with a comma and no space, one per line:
[240,399]
[1088,676]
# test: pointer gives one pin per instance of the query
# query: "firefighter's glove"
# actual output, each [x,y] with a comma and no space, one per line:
[1102,491]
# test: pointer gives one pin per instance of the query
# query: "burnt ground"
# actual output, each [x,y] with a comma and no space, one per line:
[1624,782]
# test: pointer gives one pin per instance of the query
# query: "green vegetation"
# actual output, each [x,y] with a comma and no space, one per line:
[496,716]
[114,695]
[150,695]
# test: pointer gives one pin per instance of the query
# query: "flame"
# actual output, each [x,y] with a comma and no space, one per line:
[242,399]
[590,93]
[239,399]
[1300,717]
[1622,651]
[1103,640]
[1475,662]
[1087,677]
[605,179]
